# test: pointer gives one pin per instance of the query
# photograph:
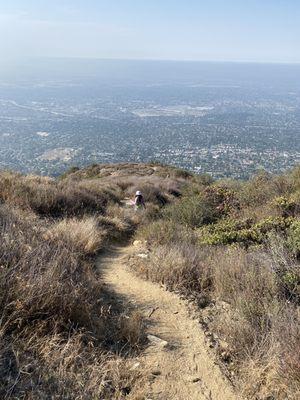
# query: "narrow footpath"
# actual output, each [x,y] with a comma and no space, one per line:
[177,355]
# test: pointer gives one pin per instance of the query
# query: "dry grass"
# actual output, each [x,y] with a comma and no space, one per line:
[254,291]
[246,281]
[65,368]
[84,234]
[179,267]
[272,370]
[62,335]
[163,232]
[51,198]
[260,326]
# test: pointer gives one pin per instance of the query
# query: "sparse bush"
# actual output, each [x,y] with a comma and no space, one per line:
[54,199]
[179,266]
[166,232]
[258,190]
[191,211]
[293,239]
[285,205]
[83,235]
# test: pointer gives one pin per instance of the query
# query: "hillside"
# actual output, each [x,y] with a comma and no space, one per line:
[73,324]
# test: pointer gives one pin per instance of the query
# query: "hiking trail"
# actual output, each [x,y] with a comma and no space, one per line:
[177,355]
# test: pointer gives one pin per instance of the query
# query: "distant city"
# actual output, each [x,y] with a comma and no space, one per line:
[228,120]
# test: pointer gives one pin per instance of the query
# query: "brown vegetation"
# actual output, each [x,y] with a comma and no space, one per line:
[234,246]
[57,321]
[62,334]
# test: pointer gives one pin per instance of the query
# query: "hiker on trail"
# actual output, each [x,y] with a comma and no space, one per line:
[139,201]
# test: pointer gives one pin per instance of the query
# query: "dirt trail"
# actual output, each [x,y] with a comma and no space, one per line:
[182,369]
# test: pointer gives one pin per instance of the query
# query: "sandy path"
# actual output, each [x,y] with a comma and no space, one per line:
[183,369]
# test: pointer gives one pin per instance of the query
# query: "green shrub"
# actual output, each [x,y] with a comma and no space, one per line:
[228,231]
[259,190]
[293,238]
[193,211]
[285,205]
[290,281]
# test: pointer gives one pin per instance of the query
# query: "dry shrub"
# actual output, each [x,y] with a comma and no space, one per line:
[51,198]
[273,369]
[288,334]
[259,375]
[261,327]
[246,281]
[179,266]
[259,212]
[59,329]
[238,272]
[120,222]
[51,286]
[258,190]
[83,234]
[192,211]
[20,232]
[124,183]
[131,330]
[163,232]
[152,213]
[65,368]
[48,282]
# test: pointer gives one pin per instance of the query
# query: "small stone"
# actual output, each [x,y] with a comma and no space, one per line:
[196,379]
[135,366]
[143,255]
[154,340]
[225,356]
[137,242]
[193,379]
[156,372]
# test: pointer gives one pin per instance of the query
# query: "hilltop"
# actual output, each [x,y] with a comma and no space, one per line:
[229,248]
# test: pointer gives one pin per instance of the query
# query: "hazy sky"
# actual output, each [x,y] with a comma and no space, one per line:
[231,30]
